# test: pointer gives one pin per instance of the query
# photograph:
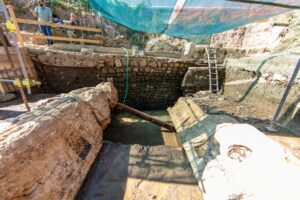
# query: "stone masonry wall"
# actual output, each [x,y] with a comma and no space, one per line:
[153,82]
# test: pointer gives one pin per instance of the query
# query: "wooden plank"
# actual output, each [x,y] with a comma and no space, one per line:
[12,50]
[13,18]
[82,28]
[29,67]
[9,73]
[61,38]
[3,58]
[144,116]
[8,68]
[28,63]
[6,87]
[20,88]
[6,65]
[281,24]
[22,65]
[3,86]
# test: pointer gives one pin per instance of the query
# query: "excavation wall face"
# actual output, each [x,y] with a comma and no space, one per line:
[152,82]
[220,150]
[47,153]
[262,83]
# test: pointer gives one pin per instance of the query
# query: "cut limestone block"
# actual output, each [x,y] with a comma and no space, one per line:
[232,160]
[47,153]
[101,98]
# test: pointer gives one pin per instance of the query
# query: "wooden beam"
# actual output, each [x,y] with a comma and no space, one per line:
[83,28]
[12,50]
[281,24]
[20,87]
[144,116]
[13,18]
[61,38]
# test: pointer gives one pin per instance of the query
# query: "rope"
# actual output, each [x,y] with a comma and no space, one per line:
[127,75]
[280,5]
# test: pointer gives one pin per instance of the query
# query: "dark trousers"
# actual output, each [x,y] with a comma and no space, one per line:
[46,30]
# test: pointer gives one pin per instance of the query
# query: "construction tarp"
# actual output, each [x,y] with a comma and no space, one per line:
[186,18]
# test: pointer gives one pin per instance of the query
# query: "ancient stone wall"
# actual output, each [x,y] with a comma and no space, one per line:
[153,82]
[47,153]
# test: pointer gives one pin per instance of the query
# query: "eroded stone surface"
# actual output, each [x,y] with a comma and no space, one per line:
[237,160]
[47,153]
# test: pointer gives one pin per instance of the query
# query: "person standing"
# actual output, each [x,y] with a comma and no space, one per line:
[44,14]
[74,22]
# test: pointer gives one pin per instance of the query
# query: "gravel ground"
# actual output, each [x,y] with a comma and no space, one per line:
[245,113]
[12,109]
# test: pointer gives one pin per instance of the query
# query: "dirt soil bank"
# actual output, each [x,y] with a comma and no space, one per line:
[138,173]
[247,113]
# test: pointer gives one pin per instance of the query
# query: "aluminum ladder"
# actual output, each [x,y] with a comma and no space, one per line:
[213,70]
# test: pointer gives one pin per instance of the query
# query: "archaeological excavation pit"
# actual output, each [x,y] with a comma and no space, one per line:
[125,112]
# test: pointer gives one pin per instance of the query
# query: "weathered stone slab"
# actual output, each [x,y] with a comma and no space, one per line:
[47,153]
[232,160]
[101,98]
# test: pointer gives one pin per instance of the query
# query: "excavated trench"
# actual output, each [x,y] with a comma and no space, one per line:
[126,128]
[140,160]
[133,135]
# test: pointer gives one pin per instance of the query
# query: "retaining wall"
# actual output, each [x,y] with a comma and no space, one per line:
[153,82]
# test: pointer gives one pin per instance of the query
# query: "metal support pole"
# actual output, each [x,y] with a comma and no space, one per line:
[6,81]
[285,95]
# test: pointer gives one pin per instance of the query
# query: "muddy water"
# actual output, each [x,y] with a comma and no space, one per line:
[128,129]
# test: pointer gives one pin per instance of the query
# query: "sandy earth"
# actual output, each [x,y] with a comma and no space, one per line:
[139,172]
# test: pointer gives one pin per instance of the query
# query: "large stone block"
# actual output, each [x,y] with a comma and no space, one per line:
[47,153]
[100,98]
[236,160]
